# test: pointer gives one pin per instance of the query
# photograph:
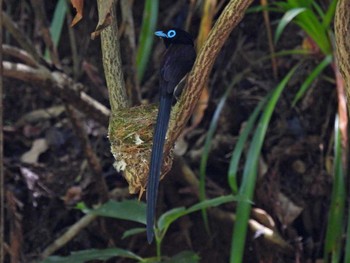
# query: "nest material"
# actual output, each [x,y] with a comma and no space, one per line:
[131,134]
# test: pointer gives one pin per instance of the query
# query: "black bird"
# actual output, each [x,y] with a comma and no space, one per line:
[178,60]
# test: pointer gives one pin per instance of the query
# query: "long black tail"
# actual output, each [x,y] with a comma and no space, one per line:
[157,161]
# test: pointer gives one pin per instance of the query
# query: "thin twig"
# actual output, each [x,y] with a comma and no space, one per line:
[73,46]
[21,38]
[20,54]
[69,235]
[117,193]
[264,3]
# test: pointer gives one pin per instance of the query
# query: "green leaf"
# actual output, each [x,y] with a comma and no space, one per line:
[169,217]
[57,23]
[205,154]
[208,140]
[236,155]
[149,21]
[328,18]
[334,233]
[290,52]
[184,257]
[93,254]
[133,231]
[132,210]
[286,19]
[250,173]
[309,22]
[347,238]
[82,207]
[312,76]
[318,9]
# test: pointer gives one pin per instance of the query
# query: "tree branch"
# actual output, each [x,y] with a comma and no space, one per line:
[59,83]
[112,63]
[342,36]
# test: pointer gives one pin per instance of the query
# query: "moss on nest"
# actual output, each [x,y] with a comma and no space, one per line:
[130,134]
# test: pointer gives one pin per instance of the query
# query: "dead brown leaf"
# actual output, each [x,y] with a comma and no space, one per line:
[79,6]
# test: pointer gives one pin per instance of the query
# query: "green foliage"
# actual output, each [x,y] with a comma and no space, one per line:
[149,21]
[347,238]
[57,23]
[169,217]
[208,142]
[308,15]
[132,210]
[335,227]
[184,257]
[135,211]
[237,153]
[247,187]
[206,150]
[285,20]
[133,231]
[93,254]
[312,76]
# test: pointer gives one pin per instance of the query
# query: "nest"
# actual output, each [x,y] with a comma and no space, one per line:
[131,135]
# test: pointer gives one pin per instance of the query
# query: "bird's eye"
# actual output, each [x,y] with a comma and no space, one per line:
[171,33]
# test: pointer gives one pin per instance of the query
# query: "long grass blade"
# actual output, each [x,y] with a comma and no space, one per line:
[309,22]
[57,23]
[286,19]
[149,21]
[237,152]
[347,238]
[328,18]
[206,150]
[207,144]
[250,173]
[333,240]
[312,76]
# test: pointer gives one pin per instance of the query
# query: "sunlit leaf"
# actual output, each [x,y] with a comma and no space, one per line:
[286,19]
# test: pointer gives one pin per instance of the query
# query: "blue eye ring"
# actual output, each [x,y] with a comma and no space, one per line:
[171,33]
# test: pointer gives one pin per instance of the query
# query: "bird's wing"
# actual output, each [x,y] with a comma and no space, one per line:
[178,60]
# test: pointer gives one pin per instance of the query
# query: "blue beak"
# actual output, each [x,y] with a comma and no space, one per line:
[160,34]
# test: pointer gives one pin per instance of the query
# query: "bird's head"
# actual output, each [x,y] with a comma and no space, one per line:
[175,36]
